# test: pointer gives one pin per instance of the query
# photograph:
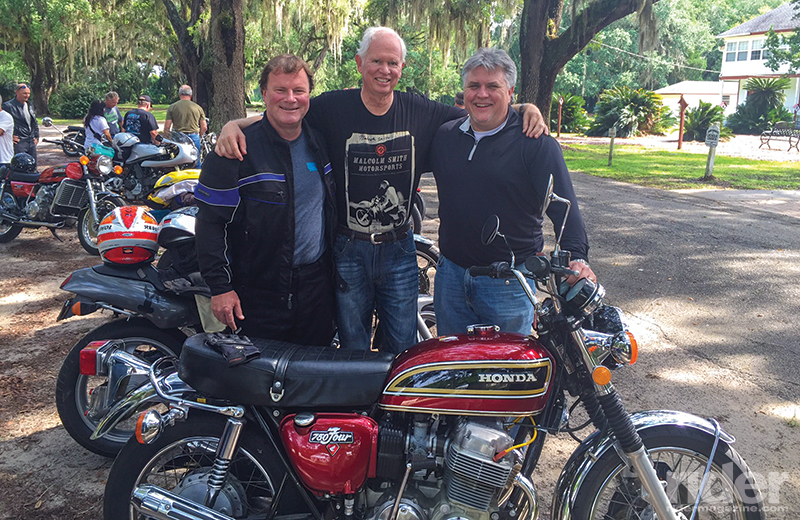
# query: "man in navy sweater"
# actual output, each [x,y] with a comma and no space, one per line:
[484,165]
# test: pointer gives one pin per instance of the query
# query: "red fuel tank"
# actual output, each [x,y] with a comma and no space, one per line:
[335,453]
[489,374]
[59,173]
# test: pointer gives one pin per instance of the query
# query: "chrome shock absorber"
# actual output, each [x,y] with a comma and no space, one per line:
[228,442]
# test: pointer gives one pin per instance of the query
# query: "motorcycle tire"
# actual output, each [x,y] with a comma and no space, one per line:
[180,460]
[87,227]
[680,456]
[427,258]
[416,220]
[73,389]
[8,231]
[70,149]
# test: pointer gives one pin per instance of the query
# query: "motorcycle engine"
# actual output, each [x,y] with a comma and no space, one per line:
[39,207]
[460,480]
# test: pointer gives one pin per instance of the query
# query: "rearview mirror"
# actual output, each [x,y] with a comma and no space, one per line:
[490,230]
[548,196]
[48,122]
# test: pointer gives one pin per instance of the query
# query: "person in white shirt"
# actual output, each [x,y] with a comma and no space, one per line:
[96,126]
[6,136]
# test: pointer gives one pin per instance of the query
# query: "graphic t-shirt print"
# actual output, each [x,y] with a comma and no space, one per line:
[379,174]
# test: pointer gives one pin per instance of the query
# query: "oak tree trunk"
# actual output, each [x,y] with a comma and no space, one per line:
[227,41]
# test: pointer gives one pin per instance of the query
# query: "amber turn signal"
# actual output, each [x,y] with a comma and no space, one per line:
[84,160]
[601,375]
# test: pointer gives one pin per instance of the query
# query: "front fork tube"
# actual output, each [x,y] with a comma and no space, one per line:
[228,442]
[92,202]
[619,421]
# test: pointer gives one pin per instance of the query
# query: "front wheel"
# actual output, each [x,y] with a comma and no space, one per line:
[181,460]
[87,226]
[73,390]
[611,491]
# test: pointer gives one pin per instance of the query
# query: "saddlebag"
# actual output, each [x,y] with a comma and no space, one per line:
[287,375]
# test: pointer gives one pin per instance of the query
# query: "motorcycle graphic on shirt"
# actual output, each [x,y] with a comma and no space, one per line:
[379,175]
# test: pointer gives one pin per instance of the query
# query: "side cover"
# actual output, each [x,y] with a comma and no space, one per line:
[335,454]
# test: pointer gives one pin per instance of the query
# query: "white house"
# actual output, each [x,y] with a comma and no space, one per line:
[714,92]
[744,57]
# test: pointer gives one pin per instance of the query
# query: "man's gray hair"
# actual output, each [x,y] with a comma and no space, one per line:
[112,95]
[370,35]
[185,90]
[491,59]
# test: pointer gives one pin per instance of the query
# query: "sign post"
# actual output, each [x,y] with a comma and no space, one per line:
[683,104]
[560,106]
[612,133]
[712,140]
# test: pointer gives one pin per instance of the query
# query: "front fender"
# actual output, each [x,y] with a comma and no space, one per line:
[580,463]
[145,394]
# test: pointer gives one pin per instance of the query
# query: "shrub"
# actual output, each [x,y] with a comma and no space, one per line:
[73,101]
[573,116]
[700,118]
[632,112]
[749,119]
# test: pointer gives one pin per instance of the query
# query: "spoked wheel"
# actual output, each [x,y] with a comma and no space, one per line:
[70,149]
[612,492]
[180,461]
[74,390]
[87,227]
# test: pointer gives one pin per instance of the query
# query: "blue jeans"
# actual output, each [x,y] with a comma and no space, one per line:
[461,300]
[383,276]
[196,140]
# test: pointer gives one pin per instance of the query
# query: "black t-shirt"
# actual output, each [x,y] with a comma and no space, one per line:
[377,160]
[140,122]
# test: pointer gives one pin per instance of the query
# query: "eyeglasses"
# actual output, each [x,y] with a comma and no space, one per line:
[22,86]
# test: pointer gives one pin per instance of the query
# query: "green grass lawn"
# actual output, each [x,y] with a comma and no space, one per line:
[674,170]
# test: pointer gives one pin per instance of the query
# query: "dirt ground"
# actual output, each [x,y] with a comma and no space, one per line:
[44,474]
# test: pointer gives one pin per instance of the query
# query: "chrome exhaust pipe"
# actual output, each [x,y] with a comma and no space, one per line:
[14,219]
[158,503]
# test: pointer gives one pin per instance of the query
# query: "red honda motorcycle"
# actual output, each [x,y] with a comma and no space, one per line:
[57,197]
[451,429]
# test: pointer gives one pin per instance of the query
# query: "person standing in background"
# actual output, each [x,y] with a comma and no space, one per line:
[26,129]
[188,117]
[140,122]
[112,114]
[6,136]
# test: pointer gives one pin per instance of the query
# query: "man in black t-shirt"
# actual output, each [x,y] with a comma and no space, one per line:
[376,136]
[141,122]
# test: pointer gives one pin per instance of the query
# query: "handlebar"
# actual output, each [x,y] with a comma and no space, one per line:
[495,270]
[539,267]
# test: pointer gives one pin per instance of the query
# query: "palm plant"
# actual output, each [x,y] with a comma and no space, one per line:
[766,93]
[700,118]
[632,112]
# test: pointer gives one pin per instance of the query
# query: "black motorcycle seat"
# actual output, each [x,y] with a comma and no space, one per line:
[314,377]
[145,273]
[73,128]
[32,177]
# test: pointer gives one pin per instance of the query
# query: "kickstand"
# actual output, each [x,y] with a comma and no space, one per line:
[53,231]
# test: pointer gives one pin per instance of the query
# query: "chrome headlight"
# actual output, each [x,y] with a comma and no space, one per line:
[104,165]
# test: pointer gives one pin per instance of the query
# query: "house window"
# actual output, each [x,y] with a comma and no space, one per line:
[756,52]
[742,54]
[730,52]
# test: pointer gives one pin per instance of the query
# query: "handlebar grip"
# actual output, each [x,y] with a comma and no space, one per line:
[476,270]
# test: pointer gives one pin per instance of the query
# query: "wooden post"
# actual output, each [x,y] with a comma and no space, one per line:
[683,104]
[560,105]
[612,133]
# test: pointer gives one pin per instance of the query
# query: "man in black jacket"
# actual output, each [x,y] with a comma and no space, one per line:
[265,225]
[26,129]
[484,165]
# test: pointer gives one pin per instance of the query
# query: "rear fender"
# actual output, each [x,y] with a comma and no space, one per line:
[581,462]
[132,298]
[139,397]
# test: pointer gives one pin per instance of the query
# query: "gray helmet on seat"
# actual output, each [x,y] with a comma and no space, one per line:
[125,140]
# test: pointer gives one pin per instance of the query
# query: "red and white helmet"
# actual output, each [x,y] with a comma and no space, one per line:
[128,236]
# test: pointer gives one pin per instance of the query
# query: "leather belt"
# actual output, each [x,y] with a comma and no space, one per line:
[378,238]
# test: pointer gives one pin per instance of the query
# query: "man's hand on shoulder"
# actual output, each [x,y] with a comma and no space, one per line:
[533,124]
[231,142]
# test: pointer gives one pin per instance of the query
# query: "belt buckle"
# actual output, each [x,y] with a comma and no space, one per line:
[373,240]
